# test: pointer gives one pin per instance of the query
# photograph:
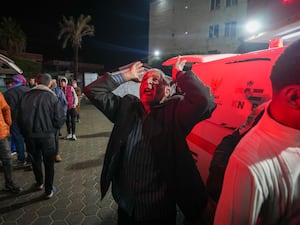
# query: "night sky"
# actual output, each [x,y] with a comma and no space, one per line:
[121,29]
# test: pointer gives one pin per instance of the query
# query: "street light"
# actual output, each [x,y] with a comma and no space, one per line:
[253,26]
[156,53]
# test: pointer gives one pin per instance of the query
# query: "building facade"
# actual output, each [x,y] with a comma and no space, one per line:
[206,26]
[217,26]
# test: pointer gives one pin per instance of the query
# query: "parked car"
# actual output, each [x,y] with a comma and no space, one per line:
[7,69]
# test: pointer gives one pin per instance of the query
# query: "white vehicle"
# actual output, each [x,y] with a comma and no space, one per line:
[239,82]
[7,66]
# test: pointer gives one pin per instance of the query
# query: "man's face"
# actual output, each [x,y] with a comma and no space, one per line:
[32,81]
[152,89]
[63,83]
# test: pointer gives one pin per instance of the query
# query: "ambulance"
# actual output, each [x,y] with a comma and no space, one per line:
[239,83]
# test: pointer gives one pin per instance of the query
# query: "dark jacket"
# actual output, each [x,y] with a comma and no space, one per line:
[40,113]
[61,97]
[13,96]
[172,122]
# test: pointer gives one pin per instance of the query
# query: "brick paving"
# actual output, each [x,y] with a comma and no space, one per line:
[77,177]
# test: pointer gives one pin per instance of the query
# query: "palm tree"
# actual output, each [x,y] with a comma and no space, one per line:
[73,31]
[12,37]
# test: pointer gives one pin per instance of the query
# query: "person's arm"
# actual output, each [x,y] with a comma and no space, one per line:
[59,114]
[62,98]
[75,96]
[99,92]
[5,111]
[198,102]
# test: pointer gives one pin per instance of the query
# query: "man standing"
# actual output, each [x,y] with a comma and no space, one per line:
[40,116]
[5,154]
[12,97]
[262,178]
[72,100]
[147,158]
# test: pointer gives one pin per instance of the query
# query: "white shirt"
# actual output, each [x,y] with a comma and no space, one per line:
[262,180]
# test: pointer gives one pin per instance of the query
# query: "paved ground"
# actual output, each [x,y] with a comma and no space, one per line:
[77,200]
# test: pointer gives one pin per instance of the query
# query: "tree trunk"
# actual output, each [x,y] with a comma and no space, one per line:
[75,62]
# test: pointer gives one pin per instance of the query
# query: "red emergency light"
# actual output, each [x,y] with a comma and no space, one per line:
[275,43]
[287,1]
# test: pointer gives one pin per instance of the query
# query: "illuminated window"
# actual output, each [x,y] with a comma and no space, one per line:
[214,4]
[231,2]
[230,29]
[213,31]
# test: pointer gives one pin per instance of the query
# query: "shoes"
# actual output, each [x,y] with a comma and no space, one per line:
[58,158]
[50,195]
[14,188]
[74,137]
[21,164]
[39,187]
[27,163]
[69,136]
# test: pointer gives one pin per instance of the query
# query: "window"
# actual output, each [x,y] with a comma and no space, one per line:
[213,31]
[231,2]
[214,4]
[230,29]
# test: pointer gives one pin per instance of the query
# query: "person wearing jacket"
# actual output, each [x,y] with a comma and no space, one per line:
[72,100]
[40,115]
[12,97]
[5,153]
[147,158]
[62,98]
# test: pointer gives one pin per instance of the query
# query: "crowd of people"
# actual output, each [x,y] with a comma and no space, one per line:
[32,114]
[254,173]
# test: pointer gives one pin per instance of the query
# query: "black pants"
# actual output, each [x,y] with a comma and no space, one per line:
[43,149]
[5,158]
[71,121]
[125,219]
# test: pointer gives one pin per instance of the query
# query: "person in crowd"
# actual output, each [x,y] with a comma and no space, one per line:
[262,180]
[31,82]
[12,97]
[78,93]
[40,115]
[72,100]
[5,153]
[62,98]
[147,158]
